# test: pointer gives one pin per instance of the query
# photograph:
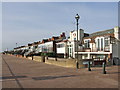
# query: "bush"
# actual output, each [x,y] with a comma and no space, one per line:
[42,54]
[48,54]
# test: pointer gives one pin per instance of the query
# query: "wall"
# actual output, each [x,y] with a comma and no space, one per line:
[71,63]
[101,45]
[119,49]
[45,47]
[117,32]
[116,49]
[61,49]
[73,34]
[37,58]
[72,44]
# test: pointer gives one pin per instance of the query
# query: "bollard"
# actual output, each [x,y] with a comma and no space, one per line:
[104,71]
[32,57]
[77,65]
[55,58]
[89,66]
[47,57]
[43,59]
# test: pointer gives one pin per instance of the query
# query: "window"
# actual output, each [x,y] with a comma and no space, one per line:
[35,46]
[101,43]
[98,44]
[87,44]
[60,45]
[106,41]
[70,50]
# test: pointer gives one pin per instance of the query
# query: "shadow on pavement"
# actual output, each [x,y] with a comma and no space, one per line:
[113,72]
[12,77]
[52,77]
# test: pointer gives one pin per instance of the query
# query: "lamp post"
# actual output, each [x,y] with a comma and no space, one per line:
[77,18]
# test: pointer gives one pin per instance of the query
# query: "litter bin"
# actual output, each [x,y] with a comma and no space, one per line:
[116,61]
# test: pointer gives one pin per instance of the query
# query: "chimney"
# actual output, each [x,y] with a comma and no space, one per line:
[62,35]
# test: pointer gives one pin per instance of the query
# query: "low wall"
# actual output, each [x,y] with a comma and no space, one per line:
[29,58]
[60,62]
[37,58]
[71,63]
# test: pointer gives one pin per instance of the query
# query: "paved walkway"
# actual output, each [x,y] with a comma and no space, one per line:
[25,73]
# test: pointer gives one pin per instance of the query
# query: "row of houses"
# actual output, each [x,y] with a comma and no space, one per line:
[44,46]
[102,45]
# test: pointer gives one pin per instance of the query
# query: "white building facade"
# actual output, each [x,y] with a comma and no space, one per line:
[62,50]
[99,45]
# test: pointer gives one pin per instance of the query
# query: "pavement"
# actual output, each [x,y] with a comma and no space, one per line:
[25,73]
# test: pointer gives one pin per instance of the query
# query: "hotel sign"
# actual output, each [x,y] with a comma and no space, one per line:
[74,34]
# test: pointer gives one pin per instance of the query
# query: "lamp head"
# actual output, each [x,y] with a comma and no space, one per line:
[77,17]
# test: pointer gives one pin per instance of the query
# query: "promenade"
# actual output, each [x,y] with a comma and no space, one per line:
[25,73]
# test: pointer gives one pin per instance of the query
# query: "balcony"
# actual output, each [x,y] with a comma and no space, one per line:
[106,49]
[87,49]
[84,50]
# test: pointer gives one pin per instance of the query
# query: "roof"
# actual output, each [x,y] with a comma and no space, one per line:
[63,41]
[101,33]
[19,47]
[29,44]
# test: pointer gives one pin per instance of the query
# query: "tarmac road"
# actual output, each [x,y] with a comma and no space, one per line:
[25,73]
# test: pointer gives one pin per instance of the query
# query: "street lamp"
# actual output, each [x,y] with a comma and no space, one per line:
[77,18]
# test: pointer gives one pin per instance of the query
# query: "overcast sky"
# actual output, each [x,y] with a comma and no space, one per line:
[26,22]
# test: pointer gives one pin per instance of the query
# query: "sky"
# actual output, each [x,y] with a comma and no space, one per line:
[0,26]
[26,22]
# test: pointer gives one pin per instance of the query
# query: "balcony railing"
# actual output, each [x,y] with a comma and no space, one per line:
[94,50]
[85,50]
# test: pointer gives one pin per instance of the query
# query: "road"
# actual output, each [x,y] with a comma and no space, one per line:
[25,73]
